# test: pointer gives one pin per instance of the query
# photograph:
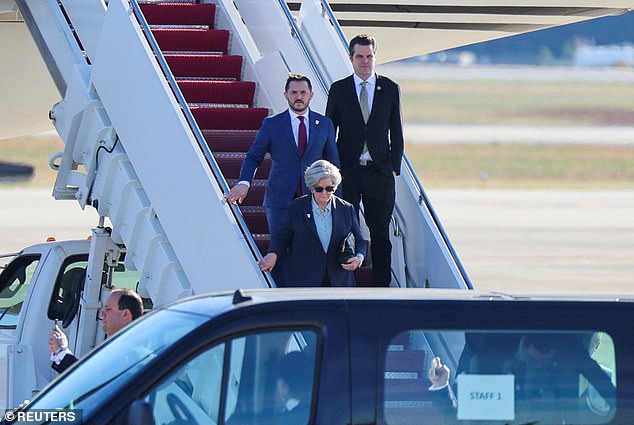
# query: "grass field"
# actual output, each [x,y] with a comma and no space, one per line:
[489,102]
[517,102]
[453,166]
[523,166]
[34,151]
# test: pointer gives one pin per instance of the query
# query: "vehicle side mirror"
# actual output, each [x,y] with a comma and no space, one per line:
[140,413]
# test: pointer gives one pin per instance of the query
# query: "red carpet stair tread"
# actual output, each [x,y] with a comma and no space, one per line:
[219,92]
[192,40]
[230,163]
[194,65]
[229,140]
[180,13]
[229,118]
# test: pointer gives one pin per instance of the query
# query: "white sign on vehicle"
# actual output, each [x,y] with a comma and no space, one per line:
[486,397]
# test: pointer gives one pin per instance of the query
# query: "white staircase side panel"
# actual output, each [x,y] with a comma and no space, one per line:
[114,182]
[167,283]
[122,198]
[66,114]
[323,40]
[90,133]
[270,72]
[167,160]
[271,50]
[399,277]
[241,43]
[87,17]
[53,38]
[427,256]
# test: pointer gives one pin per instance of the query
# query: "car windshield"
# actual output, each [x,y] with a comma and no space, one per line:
[84,385]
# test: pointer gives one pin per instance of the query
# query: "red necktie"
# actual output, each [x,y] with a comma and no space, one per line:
[301,148]
[301,137]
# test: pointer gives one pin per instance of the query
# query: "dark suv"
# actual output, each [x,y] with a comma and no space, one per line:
[361,356]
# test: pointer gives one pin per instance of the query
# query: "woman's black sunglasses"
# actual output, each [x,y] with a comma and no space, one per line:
[320,189]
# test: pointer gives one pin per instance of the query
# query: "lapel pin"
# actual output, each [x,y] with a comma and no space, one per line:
[308,215]
[316,122]
[378,87]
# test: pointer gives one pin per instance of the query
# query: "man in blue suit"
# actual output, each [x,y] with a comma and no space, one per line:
[295,139]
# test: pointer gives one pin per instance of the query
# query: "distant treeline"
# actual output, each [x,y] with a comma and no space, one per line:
[554,45]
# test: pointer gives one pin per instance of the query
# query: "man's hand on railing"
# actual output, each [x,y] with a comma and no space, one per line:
[238,193]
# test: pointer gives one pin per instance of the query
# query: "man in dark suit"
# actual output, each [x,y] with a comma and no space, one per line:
[365,108]
[295,139]
[122,306]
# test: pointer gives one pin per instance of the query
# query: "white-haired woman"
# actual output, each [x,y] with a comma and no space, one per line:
[313,230]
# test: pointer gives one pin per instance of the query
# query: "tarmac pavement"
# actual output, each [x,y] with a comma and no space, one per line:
[542,240]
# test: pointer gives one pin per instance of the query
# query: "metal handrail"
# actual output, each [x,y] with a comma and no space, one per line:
[422,198]
[215,169]
[335,23]
[295,31]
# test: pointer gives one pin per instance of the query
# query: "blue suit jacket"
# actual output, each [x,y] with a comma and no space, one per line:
[307,263]
[276,137]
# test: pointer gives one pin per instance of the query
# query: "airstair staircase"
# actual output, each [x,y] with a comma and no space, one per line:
[161,100]
[210,80]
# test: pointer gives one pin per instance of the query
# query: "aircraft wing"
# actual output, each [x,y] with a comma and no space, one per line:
[415,27]
[409,28]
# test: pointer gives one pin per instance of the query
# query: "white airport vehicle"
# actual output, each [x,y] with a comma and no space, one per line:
[159,102]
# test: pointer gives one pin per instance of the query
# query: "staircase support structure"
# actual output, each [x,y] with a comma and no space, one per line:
[131,154]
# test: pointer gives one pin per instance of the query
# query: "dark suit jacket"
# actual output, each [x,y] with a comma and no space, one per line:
[383,131]
[66,362]
[306,263]
[276,137]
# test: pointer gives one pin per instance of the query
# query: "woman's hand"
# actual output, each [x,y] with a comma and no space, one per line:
[352,264]
[268,262]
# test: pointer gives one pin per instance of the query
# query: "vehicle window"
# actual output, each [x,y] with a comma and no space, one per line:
[123,278]
[515,377]
[84,387]
[66,296]
[261,378]
[14,285]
